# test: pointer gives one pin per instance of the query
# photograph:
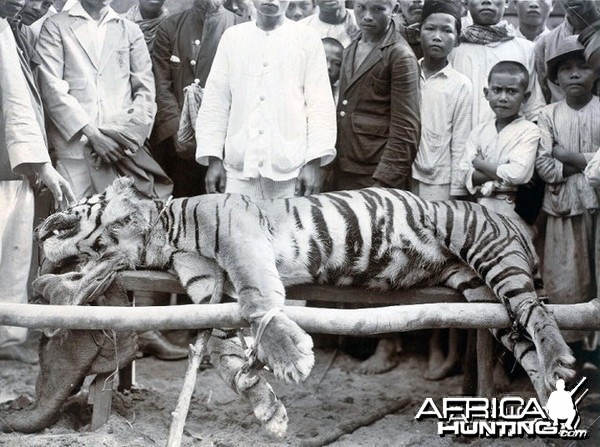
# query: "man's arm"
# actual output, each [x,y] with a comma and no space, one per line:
[461,128]
[24,141]
[320,107]
[168,113]
[548,167]
[394,168]
[213,116]
[321,120]
[63,109]
[141,78]
[520,165]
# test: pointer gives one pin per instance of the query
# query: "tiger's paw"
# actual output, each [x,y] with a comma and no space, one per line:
[286,349]
[556,358]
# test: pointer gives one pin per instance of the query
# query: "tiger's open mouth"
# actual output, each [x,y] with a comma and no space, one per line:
[62,226]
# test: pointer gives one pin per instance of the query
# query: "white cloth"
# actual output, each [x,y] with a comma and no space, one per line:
[344,32]
[575,131]
[592,170]
[445,125]
[475,62]
[95,28]
[268,103]
[518,33]
[261,188]
[16,243]
[513,149]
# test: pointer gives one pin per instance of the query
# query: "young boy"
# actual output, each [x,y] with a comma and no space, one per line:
[378,118]
[445,106]
[570,136]
[445,125]
[300,9]
[334,52]
[333,20]
[378,109]
[533,16]
[489,40]
[267,120]
[500,153]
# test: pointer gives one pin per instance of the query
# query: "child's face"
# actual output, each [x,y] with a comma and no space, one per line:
[533,12]
[575,76]
[487,12]
[411,10]
[299,9]
[505,94]
[334,62]
[373,16]
[438,35]
[271,8]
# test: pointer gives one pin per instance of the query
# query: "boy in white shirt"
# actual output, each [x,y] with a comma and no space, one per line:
[500,153]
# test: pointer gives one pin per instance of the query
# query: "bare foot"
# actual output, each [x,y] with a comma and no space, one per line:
[384,359]
[438,370]
[19,354]
[436,356]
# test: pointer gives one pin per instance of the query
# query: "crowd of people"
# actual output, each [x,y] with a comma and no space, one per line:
[444,98]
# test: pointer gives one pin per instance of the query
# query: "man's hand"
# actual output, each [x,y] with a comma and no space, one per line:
[309,180]
[60,188]
[215,178]
[105,147]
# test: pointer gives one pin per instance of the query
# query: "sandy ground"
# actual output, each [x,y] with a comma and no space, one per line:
[331,399]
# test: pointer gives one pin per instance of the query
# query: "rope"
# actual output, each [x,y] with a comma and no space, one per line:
[252,353]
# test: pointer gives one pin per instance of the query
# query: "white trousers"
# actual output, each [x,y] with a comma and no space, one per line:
[16,243]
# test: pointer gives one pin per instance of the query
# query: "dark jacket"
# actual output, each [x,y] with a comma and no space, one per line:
[378,112]
[184,49]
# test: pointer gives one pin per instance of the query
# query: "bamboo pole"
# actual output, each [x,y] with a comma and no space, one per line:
[197,351]
[584,316]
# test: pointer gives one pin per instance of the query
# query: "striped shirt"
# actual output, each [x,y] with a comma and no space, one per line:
[445,126]
[576,131]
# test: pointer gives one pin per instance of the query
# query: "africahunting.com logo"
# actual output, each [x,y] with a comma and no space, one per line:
[509,416]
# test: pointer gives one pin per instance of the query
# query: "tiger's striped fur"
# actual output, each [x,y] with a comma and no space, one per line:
[379,238]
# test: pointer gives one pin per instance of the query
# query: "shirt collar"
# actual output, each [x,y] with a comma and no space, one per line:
[78,11]
[443,72]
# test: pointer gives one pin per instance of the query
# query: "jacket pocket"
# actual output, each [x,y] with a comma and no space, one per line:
[370,125]
[77,84]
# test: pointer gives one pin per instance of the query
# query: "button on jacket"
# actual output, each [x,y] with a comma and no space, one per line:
[378,113]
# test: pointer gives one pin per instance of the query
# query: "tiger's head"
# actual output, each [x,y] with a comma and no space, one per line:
[96,223]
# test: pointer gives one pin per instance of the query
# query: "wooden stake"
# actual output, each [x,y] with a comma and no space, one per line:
[197,351]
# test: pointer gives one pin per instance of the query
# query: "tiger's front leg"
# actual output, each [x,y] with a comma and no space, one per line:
[246,254]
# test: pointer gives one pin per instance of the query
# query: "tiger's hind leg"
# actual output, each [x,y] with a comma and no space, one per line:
[474,289]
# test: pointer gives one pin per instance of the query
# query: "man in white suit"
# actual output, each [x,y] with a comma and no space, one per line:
[23,155]
[95,69]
